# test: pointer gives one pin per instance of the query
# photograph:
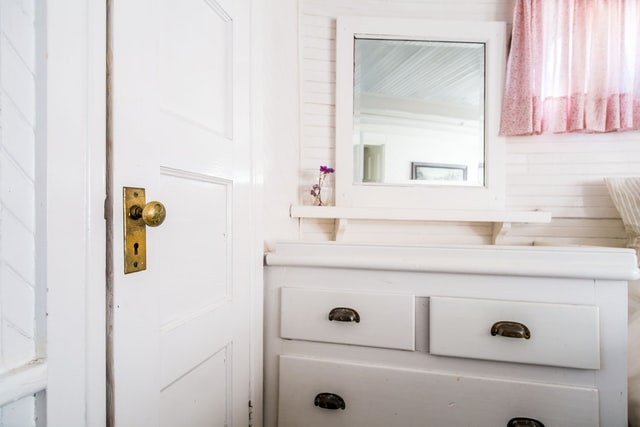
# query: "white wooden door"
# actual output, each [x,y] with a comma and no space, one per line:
[181,130]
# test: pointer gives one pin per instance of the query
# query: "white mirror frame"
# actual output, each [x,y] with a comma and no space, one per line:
[438,197]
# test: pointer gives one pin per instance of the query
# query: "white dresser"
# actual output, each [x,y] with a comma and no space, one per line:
[483,336]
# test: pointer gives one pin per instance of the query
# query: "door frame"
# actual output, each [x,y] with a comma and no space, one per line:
[75,239]
[75,205]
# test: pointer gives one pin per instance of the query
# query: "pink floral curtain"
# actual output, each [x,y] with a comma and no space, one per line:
[574,66]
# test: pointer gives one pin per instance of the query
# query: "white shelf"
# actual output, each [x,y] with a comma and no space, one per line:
[501,220]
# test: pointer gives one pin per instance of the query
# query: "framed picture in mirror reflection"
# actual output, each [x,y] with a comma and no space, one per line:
[422,171]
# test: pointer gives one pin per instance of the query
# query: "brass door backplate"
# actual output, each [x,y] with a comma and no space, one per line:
[135,231]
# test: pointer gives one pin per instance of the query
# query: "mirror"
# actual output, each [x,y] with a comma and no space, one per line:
[418,112]
[417,120]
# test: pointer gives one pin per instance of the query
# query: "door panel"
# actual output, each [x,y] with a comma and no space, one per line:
[195,63]
[182,327]
[199,397]
[190,340]
[200,255]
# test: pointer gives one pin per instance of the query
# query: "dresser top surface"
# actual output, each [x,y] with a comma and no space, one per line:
[568,261]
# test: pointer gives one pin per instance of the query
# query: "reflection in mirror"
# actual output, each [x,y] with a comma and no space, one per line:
[418,112]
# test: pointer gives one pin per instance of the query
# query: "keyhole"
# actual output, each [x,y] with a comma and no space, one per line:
[135,248]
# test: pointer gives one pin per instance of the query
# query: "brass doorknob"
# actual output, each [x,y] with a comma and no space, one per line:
[153,213]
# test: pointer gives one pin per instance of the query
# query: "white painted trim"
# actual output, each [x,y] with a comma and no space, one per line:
[501,219]
[401,214]
[41,184]
[76,34]
[23,381]
[350,194]
[257,185]
[571,262]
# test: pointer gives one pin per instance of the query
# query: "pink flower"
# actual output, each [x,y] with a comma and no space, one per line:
[326,169]
[316,189]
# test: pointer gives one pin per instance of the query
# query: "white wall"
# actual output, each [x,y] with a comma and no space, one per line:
[562,173]
[281,117]
[18,172]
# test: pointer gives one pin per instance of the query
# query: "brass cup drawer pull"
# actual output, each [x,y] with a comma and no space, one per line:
[524,422]
[510,330]
[344,314]
[329,401]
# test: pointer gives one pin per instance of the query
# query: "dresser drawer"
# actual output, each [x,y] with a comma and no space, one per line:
[381,396]
[367,319]
[537,333]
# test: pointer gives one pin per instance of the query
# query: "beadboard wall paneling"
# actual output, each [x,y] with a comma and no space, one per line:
[406,232]
[483,10]
[562,174]
[17,186]
[560,232]
[17,198]
[318,82]
[313,230]
[19,413]
[569,232]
